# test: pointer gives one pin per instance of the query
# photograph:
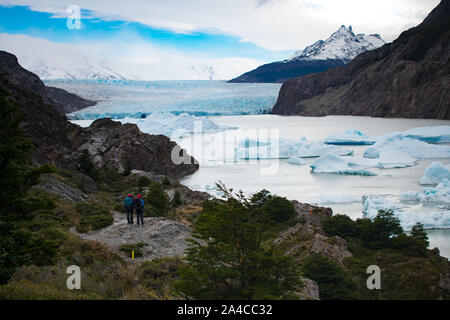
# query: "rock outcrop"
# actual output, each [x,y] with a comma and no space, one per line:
[66,102]
[407,78]
[162,237]
[59,142]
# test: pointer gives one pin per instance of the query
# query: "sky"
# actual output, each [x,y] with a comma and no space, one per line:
[251,32]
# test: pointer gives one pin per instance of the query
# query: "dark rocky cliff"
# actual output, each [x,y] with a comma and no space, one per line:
[282,71]
[407,78]
[60,142]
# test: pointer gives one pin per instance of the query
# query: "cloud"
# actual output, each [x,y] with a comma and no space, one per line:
[127,55]
[271,24]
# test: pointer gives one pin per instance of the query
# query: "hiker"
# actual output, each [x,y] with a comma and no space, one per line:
[129,203]
[139,206]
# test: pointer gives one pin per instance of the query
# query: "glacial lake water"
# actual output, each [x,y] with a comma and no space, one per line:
[297,181]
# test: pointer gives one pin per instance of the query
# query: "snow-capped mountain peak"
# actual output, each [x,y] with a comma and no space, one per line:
[343,44]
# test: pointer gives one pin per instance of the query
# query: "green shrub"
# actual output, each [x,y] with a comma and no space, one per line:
[418,233]
[409,245]
[94,222]
[94,217]
[260,198]
[143,181]
[279,208]
[127,169]
[176,201]
[334,283]
[339,225]
[136,247]
[86,166]
[166,182]
[91,208]
[158,199]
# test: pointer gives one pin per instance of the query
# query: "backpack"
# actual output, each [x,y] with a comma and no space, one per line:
[138,204]
[128,202]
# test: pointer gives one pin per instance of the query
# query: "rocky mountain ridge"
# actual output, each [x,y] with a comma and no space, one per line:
[408,78]
[340,48]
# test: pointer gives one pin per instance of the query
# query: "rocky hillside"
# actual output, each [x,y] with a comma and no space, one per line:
[340,48]
[59,142]
[408,78]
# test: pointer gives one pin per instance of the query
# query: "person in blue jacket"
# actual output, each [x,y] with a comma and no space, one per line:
[129,204]
[139,206]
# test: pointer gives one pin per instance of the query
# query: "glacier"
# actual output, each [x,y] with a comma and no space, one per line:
[126,98]
[350,137]
[435,173]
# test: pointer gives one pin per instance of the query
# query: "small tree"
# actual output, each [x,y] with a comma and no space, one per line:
[334,283]
[166,182]
[127,169]
[86,166]
[233,262]
[143,181]
[176,200]
[418,233]
[279,208]
[158,199]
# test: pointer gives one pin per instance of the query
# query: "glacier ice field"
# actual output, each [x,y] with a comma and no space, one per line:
[131,98]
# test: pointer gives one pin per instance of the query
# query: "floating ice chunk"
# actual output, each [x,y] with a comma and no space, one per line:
[435,173]
[317,149]
[441,193]
[435,134]
[296,160]
[396,159]
[411,195]
[251,143]
[415,148]
[279,149]
[174,126]
[372,152]
[332,163]
[373,204]
[336,198]
[408,216]
[350,137]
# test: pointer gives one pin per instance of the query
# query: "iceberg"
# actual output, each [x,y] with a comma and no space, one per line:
[430,217]
[438,194]
[435,134]
[350,137]
[262,149]
[296,160]
[174,126]
[395,159]
[336,198]
[372,153]
[415,148]
[332,163]
[435,173]
[317,149]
